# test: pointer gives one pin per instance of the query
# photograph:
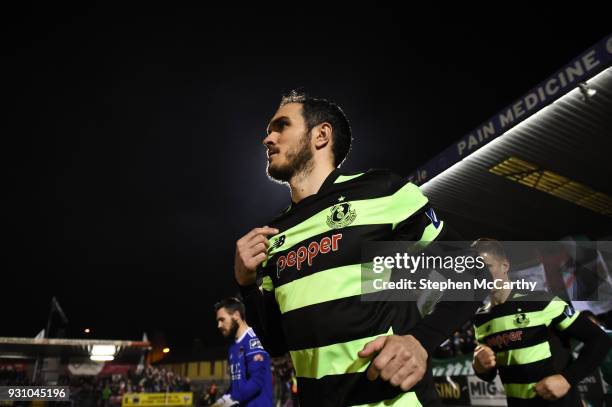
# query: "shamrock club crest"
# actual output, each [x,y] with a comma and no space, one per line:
[341,215]
[521,319]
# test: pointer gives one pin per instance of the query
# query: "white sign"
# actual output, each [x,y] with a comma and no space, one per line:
[486,393]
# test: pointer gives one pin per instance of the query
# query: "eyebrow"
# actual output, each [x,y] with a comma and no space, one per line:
[274,123]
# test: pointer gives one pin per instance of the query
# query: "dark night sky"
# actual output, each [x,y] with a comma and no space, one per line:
[132,138]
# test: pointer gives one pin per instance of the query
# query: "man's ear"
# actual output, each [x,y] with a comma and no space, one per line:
[322,135]
[505,266]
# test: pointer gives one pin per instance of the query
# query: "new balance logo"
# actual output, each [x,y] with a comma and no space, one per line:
[278,242]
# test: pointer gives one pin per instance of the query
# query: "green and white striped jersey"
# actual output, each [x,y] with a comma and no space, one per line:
[529,334]
[310,300]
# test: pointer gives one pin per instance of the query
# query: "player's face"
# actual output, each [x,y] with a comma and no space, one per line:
[288,144]
[497,266]
[226,323]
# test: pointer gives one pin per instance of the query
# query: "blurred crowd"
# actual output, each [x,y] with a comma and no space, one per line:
[462,342]
[108,391]
[284,382]
[11,376]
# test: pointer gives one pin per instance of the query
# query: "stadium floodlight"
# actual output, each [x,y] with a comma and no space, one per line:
[586,90]
[102,358]
[101,350]
[102,353]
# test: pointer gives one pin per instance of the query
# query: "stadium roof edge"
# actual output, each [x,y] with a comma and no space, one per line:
[72,342]
[30,348]
[591,62]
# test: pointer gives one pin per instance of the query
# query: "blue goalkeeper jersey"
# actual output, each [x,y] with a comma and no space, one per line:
[250,372]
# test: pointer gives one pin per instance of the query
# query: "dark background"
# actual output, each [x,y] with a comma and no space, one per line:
[132,138]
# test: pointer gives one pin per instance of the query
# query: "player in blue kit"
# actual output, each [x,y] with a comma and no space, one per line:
[249,363]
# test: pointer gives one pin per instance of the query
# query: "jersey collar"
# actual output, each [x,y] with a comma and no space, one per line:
[243,335]
[329,181]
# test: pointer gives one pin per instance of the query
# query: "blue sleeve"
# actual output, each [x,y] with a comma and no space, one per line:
[258,366]
[229,367]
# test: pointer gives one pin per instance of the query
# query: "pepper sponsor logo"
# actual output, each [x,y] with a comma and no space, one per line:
[305,254]
[504,339]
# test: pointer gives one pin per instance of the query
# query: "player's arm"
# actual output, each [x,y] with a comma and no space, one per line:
[263,313]
[258,366]
[402,360]
[448,316]
[596,344]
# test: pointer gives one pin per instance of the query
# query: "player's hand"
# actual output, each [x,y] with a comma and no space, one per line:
[552,387]
[484,359]
[225,401]
[401,360]
[251,251]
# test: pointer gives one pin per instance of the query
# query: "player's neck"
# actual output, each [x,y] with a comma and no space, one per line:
[502,295]
[309,182]
[242,328]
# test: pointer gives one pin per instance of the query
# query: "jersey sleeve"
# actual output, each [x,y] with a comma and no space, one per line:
[416,220]
[576,325]
[263,314]
[229,389]
[562,314]
[420,224]
[257,363]
[487,376]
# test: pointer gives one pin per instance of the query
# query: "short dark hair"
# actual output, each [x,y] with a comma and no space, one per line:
[231,304]
[486,244]
[316,111]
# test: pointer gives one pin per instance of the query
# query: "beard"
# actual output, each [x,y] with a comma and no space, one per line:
[299,160]
[231,333]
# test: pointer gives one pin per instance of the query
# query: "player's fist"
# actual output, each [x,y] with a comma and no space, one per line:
[552,387]
[399,360]
[251,251]
[484,359]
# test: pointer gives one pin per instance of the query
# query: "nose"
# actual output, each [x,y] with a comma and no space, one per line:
[270,139]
